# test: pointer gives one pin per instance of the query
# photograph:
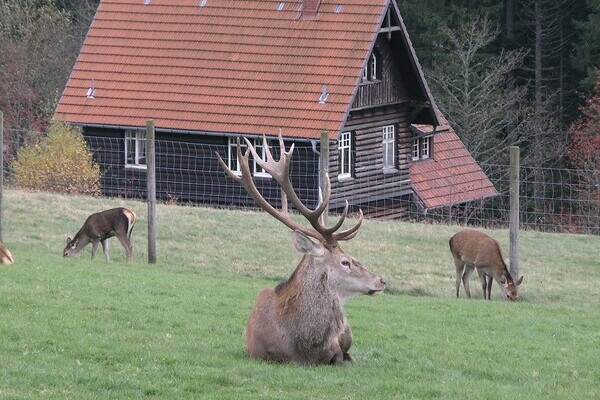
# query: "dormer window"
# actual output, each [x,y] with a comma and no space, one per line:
[370,73]
[422,148]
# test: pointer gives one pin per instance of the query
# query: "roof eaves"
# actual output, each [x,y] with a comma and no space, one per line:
[186,131]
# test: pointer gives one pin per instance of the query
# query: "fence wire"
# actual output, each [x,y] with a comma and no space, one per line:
[551,199]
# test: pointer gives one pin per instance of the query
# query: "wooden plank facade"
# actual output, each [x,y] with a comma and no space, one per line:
[388,100]
[187,170]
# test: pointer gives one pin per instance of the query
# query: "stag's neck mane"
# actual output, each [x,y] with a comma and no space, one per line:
[307,287]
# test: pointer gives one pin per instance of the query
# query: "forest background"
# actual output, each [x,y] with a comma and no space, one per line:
[511,72]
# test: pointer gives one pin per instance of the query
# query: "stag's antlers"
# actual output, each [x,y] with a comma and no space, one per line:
[280,171]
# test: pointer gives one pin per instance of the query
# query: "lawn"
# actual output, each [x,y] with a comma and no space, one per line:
[82,329]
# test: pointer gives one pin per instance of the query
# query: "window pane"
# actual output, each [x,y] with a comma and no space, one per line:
[259,150]
[415,149]
[141,145]
[389,146]
[233,161]
[344,150]
[425,147]
[129,150]
[373,66]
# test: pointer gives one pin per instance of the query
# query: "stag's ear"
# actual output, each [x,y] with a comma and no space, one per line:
[305,245]
[68,240]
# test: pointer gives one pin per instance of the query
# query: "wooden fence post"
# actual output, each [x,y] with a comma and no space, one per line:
[151,181]
[514,211]
[1,170]
[324,172]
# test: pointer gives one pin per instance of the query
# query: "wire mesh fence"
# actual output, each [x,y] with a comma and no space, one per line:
[551,199]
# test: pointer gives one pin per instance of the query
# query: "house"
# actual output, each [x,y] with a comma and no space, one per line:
[209,71]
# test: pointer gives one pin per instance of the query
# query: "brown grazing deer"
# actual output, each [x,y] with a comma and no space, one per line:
[471,250]
[5,256]
[101,226]
[302,320]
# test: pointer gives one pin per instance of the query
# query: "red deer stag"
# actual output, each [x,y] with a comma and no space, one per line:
[473,249]
[101,226]
[302,320]
[5,256]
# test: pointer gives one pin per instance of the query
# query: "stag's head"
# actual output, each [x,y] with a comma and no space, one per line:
[345,274]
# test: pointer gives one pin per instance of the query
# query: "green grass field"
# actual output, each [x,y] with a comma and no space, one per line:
[82,329]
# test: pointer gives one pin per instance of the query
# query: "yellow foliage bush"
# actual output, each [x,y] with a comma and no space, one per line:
[60,162]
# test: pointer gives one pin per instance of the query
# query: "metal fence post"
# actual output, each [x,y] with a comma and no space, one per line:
[514,211]
[151,178]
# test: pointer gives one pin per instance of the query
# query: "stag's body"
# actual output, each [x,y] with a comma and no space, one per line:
[472,250]
[100,227]
[302,320]
[5,256]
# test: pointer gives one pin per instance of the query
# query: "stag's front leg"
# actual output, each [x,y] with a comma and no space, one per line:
[105,249]
[345,343]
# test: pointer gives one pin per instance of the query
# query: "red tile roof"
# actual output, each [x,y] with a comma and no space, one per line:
[451,176]
[229,66]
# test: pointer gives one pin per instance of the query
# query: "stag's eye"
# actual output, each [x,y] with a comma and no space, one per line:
[346,264]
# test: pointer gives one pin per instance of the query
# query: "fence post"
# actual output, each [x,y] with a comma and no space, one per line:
[1,170]
[514,211]
[151,181]
[324,172]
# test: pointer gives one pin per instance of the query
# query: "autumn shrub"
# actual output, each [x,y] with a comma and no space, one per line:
[59,162]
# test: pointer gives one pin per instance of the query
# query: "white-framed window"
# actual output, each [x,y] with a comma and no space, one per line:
[389,147]
[370,71]
[135,148]
[345,155]
[422,148]
[233,163]
[373,67]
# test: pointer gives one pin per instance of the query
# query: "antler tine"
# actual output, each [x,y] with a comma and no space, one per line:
[248,183]
[350,232]
[279,170]
[228,170]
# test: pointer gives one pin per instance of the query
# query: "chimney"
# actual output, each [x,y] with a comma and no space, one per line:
[310,8]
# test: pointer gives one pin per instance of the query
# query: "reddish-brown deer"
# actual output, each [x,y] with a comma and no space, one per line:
[302,320]
[5,256]
[473,249]
[100,227]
